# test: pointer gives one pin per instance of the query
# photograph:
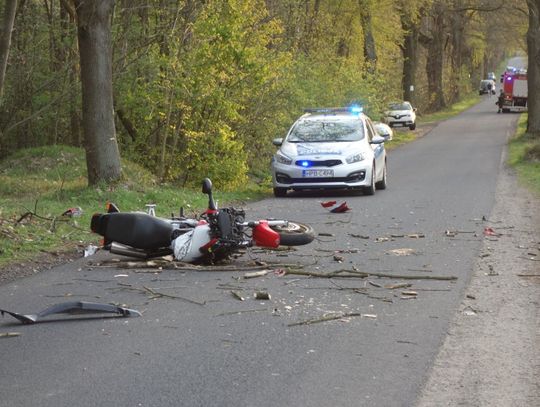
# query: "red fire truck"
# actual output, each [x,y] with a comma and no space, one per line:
[514,88]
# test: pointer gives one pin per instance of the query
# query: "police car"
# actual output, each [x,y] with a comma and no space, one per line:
[330,148]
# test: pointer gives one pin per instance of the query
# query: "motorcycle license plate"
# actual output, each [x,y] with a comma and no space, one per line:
[317,173]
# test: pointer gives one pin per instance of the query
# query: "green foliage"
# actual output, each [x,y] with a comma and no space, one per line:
[202,87]
[218,155]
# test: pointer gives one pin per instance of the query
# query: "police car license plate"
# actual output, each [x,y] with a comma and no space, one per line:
[317,173]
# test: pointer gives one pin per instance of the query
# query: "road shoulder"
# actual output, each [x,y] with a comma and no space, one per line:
[491,355]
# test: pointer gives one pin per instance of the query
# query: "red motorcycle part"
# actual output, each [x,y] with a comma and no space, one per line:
[206,248]
[264,236]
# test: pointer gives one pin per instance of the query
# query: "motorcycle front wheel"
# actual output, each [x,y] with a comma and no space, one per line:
[294,234]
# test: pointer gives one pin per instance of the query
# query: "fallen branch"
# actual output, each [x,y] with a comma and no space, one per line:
[325,318]
[172,265]
[362,274]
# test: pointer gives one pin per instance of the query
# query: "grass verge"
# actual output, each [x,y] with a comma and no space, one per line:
[524,156]
[38,185]
[450,111]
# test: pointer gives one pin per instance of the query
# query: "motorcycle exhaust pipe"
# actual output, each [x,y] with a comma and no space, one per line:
[117,248]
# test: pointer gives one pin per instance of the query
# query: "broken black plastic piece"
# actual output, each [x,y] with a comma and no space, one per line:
[74,308]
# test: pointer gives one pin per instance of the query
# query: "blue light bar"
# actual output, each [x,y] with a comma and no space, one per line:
[356,109]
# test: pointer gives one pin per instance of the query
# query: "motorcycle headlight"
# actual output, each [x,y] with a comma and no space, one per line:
[282,159]
[354,158]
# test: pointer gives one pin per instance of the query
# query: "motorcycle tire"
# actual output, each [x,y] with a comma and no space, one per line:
[294,234]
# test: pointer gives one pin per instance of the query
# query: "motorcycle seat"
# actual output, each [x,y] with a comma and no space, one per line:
[138,230]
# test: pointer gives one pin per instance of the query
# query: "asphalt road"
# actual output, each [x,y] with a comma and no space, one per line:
[245,353]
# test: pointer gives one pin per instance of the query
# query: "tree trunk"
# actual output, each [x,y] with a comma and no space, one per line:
[410,59]
[94,35]
[533,71]
[435,57]
[370,53]
[458,26]
[5,39]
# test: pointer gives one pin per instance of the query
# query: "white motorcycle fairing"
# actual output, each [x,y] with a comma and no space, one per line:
[186,247]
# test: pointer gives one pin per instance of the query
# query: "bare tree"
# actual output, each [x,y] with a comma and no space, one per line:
[94,35]
[5,39]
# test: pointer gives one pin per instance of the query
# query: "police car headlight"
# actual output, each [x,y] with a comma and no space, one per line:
[283,159]
[355,158]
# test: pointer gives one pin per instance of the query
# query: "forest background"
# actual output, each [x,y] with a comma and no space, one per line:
[201,87]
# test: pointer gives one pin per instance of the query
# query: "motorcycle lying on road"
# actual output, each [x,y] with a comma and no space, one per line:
[214,236]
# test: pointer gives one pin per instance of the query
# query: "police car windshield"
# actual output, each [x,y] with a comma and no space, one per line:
[319,131]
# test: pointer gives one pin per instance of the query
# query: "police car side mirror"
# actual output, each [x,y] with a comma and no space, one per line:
[377,140]
[277,141]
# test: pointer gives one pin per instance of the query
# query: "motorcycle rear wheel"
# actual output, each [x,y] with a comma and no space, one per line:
[294,234]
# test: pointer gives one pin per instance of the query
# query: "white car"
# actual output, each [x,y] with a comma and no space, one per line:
[330,148]
[487,86]
[401,114]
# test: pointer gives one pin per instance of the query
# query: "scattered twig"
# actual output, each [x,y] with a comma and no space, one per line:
[422,270]
[396,286]
[325,318]
[407,342]
[154,294]
[91,280]
[291,281]
[229,286]
[237,295]
[274,249]
[9,334]
[157,294]
[256,274]
[358,236]
[433,289]
[241,312]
